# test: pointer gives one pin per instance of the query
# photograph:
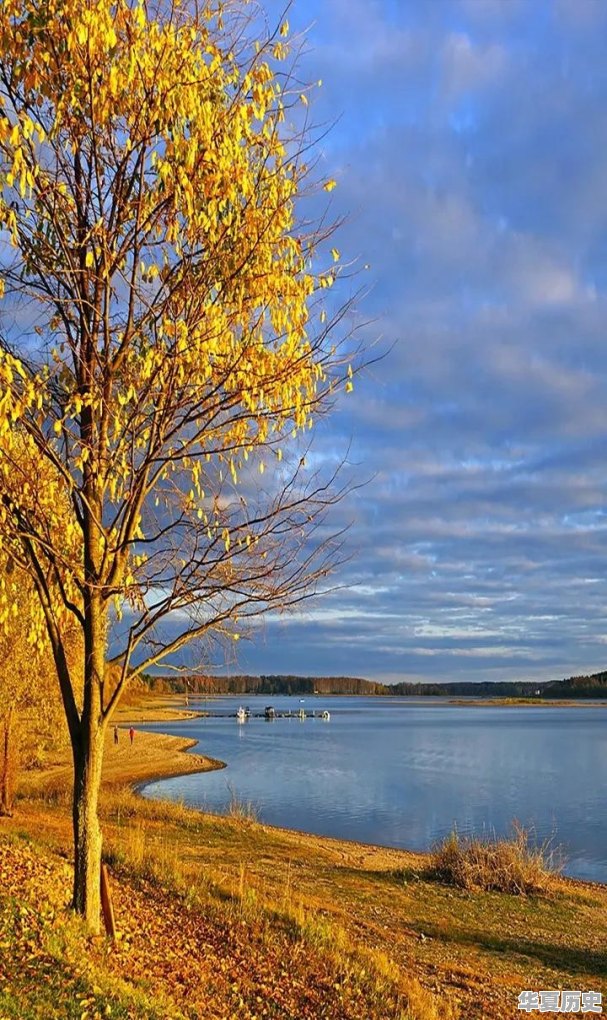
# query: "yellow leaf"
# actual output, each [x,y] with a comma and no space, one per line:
[89,260]
[329,185]
[335,253]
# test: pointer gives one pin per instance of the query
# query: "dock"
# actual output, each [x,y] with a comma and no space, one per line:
[299,714]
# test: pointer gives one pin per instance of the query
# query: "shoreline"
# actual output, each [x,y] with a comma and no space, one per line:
[339,843]
[171,707]
[151,757]
[400,855]
[180,749]
[157,756]
[211,765]
[347,846]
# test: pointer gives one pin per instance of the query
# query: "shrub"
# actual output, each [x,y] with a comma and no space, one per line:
[512,865]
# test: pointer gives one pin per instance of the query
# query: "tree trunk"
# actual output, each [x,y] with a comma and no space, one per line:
[87,750]
[6,779]
[88,758]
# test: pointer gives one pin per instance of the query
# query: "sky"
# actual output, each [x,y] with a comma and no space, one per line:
[469,143]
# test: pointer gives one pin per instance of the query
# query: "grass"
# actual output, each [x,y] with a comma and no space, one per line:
[46,970]
[241,899]
[514,865]
[240,810]
[182,956]
[467,948]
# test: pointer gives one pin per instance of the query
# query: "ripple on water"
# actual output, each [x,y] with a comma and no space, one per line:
[404,774]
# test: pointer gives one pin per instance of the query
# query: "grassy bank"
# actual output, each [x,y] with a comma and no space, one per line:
[225,917]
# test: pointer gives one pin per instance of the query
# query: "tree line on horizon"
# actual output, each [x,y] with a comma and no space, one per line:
[593,685]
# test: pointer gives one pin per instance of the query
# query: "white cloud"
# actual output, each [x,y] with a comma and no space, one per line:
[468,66]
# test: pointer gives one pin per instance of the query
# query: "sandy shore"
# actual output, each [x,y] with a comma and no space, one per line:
[151,756]
[162,708]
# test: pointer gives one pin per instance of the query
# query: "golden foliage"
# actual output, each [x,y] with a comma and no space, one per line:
[149,187]
[193,207]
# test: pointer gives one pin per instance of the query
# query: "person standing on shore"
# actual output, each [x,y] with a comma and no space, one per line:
[132,734]
[115,734]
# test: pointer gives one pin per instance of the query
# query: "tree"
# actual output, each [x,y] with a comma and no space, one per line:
[169,344]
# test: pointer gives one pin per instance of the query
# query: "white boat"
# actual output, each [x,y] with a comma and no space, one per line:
[241,715]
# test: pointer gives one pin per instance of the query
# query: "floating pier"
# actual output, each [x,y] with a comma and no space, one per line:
[298,714]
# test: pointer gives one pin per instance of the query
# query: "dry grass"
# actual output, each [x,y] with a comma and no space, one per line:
[177,959]
[240,898]
[240,810]
[512,865]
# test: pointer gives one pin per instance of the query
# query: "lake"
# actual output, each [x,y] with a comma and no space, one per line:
[404,772]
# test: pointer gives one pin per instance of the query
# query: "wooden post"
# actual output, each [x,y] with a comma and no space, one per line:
[107,908]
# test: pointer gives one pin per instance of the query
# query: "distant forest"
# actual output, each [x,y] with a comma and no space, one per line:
[593,686]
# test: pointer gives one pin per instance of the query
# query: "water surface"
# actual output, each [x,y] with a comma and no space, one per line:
[404,772]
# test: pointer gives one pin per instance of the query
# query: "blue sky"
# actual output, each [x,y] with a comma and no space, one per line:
[470,147]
